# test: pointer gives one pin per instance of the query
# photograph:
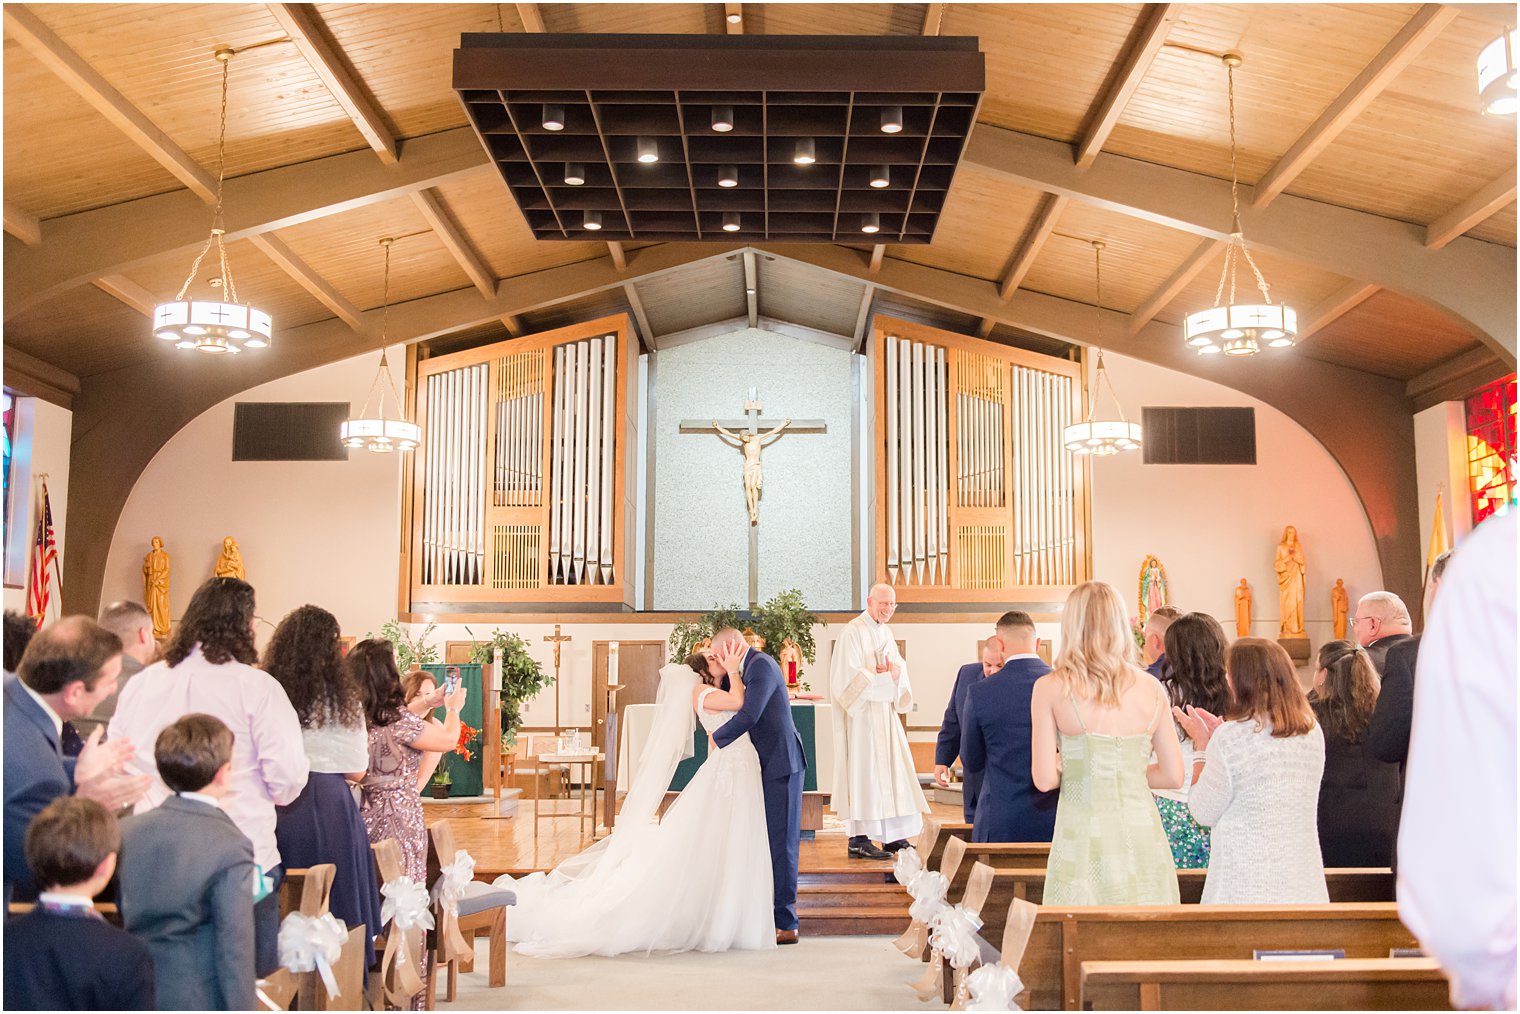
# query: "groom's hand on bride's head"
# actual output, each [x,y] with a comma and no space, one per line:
[732,655]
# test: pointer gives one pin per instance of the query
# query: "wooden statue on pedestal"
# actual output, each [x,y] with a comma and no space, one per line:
[230,563]
[1243,610]
[1340,604]
[1291,573]
[155,572]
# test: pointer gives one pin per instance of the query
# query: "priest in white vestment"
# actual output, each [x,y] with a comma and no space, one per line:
[876,789]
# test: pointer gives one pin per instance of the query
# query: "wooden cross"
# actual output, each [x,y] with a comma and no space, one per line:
[749,430]
[557,639]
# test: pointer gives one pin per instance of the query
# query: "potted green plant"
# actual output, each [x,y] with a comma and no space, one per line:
[522,677]
[410,652]
[787,616]
[687,634]
[442,782]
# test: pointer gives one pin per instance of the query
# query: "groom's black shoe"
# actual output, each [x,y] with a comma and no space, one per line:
[861,848]
[896,846]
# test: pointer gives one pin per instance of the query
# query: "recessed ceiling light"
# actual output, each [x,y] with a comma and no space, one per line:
[554,117]
[870,222]
[575,174]
[881,176]
[648,150]
[735,18]
[592,220]
[806,153]
[728,176]
[730,221]
[723,119]
[891,120]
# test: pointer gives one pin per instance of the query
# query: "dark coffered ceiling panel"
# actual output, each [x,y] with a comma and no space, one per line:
[670,137]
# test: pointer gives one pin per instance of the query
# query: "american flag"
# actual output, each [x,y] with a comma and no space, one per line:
[44,592]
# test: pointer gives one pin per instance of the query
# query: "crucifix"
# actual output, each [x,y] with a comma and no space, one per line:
[556,640]
[746,435]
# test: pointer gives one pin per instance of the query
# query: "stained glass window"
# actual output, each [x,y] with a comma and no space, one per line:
[1491,448]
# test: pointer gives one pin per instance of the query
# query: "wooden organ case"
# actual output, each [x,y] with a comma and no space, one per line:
[977,499]
[519,495]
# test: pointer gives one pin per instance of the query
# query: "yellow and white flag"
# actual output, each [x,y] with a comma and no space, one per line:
[1438,541]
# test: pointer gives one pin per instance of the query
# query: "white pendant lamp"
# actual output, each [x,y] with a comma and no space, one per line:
[1496,75]
[1101,437]
[377,431]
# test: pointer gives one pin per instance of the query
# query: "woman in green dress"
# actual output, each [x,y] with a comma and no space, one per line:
[1096,720]
[1194,677]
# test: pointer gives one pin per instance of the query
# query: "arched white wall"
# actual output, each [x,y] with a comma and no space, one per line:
[1211,525]
[324,532]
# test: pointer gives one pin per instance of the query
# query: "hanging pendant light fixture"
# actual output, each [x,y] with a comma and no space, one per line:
[1101,437]
[1496,75]
[222,325]
[378,432]
[1239,329]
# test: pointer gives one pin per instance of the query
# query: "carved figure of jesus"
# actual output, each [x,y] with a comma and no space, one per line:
[1290,567]
[751,444]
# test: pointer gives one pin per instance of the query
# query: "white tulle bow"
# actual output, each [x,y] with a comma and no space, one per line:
[993,987]
[952,932]
[313,943]
[406,904]
[906,866]
[453,879]
[928,891]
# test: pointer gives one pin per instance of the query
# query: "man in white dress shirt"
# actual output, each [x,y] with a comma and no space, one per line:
[1457,832]
[876,788]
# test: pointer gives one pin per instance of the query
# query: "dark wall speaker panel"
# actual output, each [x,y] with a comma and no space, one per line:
[1199,436]
[288,430]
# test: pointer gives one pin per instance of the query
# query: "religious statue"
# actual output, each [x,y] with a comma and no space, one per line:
[1243,610]
[753,639]
[751,444]
[230,563]
[155,572]
[1153,591]
[1340,604]
[1289,564]
[791,661]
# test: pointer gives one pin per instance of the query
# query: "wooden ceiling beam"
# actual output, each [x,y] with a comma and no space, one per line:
[1471,211]
[752,287]
[114,239]
[512,323]
[129,292]
[54,54]
[619,255]
[304,275]
[878,251]
[863,317]
[33,378]
[304,26]
[1472,281]
[1347,298]
[1418,33]
[1149,35]
[733,18]
[637,306]
[532,17]
[1175,283]
[1044,223]
[1455,378]
[23,225]
[455,242]
[934,18]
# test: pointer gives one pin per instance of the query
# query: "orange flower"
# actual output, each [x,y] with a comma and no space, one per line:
[467,736]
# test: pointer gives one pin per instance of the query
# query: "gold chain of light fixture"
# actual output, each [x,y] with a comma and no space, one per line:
[217,229]
[1100,373]
[385,316]
[1237,236]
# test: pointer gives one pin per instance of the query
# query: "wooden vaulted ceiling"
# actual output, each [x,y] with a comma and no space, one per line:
[1122,80]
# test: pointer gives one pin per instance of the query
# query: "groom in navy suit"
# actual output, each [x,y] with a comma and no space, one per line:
[995,742]
[767,717]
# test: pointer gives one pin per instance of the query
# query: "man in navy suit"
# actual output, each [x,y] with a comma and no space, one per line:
[948,746]
[1155,639]
[67,670]
[767,717]
[995,742]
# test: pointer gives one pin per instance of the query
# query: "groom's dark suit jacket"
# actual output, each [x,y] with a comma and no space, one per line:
[767,717]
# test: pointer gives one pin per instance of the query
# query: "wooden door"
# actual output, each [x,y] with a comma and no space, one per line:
[639,665]
[458,652]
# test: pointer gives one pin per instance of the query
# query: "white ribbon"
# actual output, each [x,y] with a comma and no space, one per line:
[313,943]
[928,890]
[453,879]
[993,987]
[406,904]
[953,933]
[906,866]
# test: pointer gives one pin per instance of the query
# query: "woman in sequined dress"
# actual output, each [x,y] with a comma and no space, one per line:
[1194,676]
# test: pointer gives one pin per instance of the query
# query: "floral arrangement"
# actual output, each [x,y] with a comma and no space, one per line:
[785,615]
[1137,628]
[687,634]
[522,677]
[467,735]
[409,653]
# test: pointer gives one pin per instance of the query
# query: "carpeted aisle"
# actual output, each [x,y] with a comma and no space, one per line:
[822,973]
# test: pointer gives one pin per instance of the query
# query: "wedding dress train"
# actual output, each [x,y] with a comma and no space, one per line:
[700,879]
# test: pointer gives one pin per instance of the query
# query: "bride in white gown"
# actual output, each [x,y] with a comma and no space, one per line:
[700,879]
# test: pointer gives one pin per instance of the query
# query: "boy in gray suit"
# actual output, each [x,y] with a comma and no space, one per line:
[188,877]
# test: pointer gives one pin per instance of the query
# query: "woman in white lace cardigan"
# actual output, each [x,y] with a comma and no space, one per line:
[1259,787]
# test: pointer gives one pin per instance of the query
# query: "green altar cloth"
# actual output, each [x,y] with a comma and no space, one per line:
[468,775]
[803,716]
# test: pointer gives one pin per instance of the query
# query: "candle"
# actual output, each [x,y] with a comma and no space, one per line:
[612,663]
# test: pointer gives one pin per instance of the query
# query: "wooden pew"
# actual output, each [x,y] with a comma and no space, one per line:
[990,890]
[935,836]
[960,856]
[1349,984]
[1063,938]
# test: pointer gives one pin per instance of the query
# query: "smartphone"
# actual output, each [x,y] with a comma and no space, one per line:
[451,681]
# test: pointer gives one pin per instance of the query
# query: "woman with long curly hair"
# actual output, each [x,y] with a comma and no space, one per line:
[1097,719]
[323,824]
[1358,794]
[1195,645]
[208,668]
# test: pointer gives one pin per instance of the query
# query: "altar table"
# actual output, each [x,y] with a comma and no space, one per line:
[814,723]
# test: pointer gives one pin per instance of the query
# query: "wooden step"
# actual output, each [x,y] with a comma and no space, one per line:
[853,895]
[852,921]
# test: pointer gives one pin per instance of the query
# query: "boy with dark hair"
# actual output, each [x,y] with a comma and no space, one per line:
[62,955]
[187,875]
